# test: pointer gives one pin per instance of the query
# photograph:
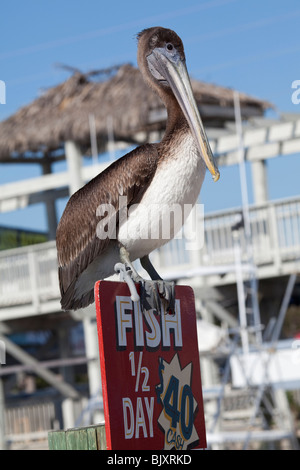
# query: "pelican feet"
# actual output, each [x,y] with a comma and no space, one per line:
[157,295]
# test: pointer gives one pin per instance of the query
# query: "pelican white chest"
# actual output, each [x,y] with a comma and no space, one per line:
[167,202]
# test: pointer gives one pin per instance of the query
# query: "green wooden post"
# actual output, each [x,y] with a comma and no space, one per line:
[92,438]
[85,438]
[57,440]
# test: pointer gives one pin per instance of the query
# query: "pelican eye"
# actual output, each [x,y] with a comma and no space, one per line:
[169,46]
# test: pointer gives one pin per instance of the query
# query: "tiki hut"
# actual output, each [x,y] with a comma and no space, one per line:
[62,113]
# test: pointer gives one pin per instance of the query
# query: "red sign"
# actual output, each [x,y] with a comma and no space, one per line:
[150,372]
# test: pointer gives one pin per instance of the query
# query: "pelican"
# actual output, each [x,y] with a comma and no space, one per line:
[157,175]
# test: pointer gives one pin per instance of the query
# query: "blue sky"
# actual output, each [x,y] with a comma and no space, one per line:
[252,46]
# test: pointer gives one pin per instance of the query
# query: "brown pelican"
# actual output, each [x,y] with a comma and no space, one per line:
[161,174]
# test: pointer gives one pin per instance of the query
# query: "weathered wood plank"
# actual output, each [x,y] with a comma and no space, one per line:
[77,439]
[71,440]
[92,438]
[85,438]
[57,440]
[101,437]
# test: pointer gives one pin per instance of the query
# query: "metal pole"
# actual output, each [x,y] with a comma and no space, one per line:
[2,416]
[241,293]
[246,214]
[242,166]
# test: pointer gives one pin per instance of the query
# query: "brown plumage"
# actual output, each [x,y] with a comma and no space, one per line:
[76,239]
[142,175]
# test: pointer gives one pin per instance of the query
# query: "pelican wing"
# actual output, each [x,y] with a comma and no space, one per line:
[76,237]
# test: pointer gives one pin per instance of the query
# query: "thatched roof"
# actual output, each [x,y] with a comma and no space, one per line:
[62,112]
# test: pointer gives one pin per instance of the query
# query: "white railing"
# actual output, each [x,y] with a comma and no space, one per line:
[29,275]
[25,422]
[32,420]
[275,230]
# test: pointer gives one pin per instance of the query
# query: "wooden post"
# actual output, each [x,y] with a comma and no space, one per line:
[73,157]
[85,438]
[50,203]
[260,182]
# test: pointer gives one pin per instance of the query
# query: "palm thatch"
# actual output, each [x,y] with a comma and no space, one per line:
[62,112]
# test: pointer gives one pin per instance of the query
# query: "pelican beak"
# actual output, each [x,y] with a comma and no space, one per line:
[172,69]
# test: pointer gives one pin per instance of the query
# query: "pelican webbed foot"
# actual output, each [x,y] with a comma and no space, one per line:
[161,293]
[156,293]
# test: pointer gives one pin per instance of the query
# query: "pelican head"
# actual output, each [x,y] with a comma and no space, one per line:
[161,59]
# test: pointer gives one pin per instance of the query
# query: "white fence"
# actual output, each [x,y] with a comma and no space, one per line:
[275,230]
[34,420]
[25,422]
[28,276]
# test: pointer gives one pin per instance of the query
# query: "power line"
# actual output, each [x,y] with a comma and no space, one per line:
[114,29]
[248,59]
[214,34]
[242,27]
